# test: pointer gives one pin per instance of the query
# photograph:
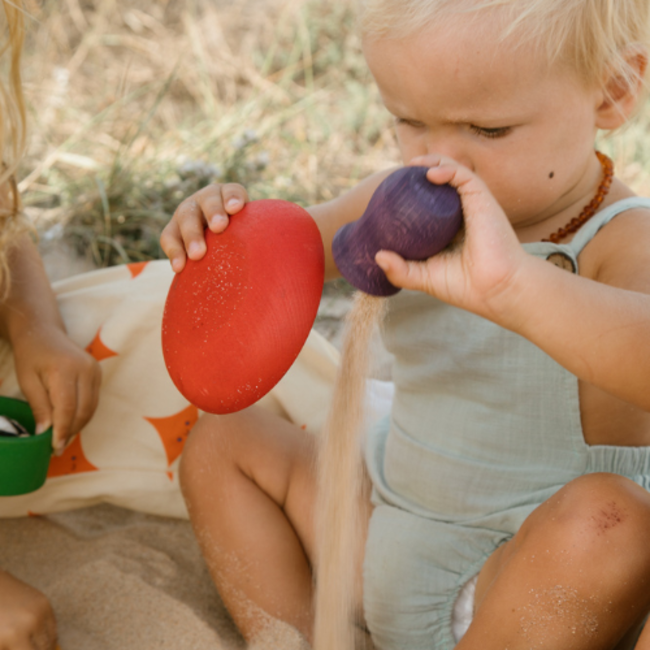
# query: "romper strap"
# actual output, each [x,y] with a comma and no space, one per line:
[589,230]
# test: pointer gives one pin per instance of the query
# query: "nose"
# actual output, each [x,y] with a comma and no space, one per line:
[450,145]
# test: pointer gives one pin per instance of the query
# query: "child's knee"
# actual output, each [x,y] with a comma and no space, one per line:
[599,515]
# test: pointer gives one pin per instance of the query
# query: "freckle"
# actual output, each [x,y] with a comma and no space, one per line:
[551,175]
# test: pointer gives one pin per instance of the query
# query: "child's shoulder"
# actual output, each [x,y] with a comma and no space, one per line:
[619,253]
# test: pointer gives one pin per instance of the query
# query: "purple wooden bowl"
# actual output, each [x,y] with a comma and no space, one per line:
[407,214]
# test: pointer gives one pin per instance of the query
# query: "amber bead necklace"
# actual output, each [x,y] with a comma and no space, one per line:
[590,209]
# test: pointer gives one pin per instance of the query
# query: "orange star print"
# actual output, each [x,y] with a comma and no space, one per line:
[73,461]
[173,430]
[98,349]
[135,268]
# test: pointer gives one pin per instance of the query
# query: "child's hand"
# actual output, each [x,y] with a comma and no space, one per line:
[26,618]
[60,381]
[476,275]
[211,206]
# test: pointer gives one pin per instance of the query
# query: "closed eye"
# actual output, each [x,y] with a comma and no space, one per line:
[494,133]
[405,121]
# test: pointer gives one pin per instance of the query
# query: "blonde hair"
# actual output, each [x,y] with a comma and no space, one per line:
[591,36]
[12,133]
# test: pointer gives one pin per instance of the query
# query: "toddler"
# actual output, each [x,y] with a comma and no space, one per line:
[509,505]
[60,380]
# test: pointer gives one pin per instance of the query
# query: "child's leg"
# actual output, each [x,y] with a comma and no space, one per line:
[26,616]
[577,574]
[249,480]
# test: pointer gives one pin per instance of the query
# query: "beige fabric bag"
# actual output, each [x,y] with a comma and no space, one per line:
[128,455]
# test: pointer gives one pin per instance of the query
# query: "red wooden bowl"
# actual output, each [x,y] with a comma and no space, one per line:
[235,321]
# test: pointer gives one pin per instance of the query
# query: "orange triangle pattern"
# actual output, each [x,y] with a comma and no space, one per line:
[173,430]
[135,268]
[98,349]
[73,461]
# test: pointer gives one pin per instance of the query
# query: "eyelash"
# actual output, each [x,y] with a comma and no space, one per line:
[401,120]
[491,134]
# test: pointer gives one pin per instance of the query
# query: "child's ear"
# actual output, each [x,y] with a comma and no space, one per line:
[622,89]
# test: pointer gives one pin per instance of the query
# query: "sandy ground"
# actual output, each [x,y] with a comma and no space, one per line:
[122,580]
[119,579]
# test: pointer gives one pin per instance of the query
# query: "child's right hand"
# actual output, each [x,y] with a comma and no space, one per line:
[26,617]
[479,275]
[211,206]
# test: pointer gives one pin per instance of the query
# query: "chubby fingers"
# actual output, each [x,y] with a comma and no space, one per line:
[211,206]
[183,233]
[443,169]
[215,203]
[430,160]
[475,195]
[402,273]
[233,197]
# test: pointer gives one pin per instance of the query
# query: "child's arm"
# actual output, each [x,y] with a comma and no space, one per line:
[211,206]
[59,379]
[348,207]
[598,330]
[26,616]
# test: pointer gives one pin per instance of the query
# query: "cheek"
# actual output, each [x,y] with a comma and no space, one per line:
[528,193]
[517,188]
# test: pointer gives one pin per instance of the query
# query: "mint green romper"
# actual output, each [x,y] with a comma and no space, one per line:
[484,428]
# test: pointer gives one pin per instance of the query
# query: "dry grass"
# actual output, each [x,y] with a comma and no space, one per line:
[134,108]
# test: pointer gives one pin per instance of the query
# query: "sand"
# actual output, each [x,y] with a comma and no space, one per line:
[121,580]
[340,484]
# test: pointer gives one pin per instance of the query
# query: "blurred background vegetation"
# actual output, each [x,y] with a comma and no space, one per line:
[132,109]
[133,106]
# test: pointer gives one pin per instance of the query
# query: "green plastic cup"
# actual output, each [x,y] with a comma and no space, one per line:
[23,461]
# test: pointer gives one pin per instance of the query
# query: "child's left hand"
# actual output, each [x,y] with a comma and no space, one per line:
[478,275]
[60,381]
